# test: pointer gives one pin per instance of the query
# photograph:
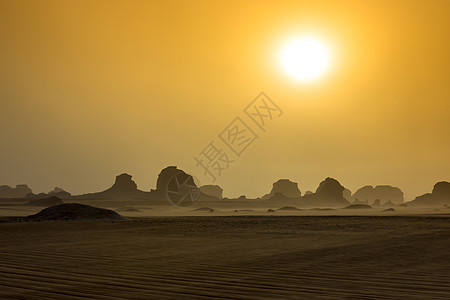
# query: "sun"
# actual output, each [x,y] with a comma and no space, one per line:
[305,58]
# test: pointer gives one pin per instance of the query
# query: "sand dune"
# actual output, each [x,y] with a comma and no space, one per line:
[228,258]
[288,208]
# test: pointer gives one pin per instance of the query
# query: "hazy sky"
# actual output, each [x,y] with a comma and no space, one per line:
[91,89]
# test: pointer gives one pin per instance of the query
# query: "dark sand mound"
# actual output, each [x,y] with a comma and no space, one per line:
[389,209]
[288,208]
[358,206]
[75,211]
[204,209]
[50,201]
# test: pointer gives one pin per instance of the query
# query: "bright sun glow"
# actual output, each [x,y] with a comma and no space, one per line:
[305,58]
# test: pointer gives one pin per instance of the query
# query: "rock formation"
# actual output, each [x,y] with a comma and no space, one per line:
[60,193]
[20,191]
[179,183]
[385,193]
[284,187]
[438,197]
[348,195]
[357,201]
[389,204]
[377,202]
[212,190]
[123,188]
[123,185]
[328,194]
[165,176]
[278,197]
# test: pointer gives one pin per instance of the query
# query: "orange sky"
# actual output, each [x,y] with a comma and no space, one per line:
[91,89]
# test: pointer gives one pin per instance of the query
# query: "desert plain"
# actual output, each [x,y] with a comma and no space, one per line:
[169,253]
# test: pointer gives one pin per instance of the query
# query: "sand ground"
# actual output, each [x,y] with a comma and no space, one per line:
[234,257]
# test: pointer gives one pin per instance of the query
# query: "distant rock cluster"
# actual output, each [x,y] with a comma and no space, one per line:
[440,196]
[20,191]
[124,187]
[284,188]
[212,190]
[378,195]
[58,192]
[329,193]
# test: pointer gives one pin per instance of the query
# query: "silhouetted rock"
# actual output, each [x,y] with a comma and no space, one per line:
[178,185]
[383,192]
[37,196]
[441,190]
[331,188]
[50,201]
[357,201]
[56,190]
[166,175]
[438,197]
[123,188]
[328,194]
[278,197]
[348,195]
[377,202]
[20,191]
[75,211]
[358,206]
[389,203]
[60,193]
[212,190]
[123,185]
[364,193]
[284,187]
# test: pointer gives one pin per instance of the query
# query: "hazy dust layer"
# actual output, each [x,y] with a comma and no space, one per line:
[227,257]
